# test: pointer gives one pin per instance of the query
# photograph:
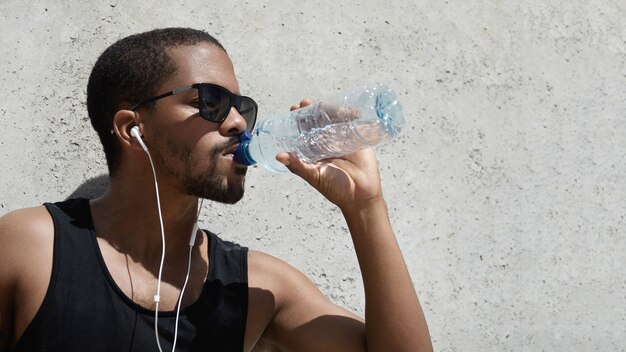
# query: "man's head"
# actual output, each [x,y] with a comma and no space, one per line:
[129,71]
[193,154]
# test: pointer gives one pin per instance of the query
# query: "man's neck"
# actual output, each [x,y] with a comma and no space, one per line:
[127,216]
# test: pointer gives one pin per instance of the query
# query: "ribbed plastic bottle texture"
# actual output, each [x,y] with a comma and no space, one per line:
[332,127]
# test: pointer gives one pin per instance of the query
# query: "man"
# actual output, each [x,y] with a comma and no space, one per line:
[81,274]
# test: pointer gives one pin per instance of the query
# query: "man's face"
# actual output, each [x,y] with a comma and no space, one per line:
[193,154]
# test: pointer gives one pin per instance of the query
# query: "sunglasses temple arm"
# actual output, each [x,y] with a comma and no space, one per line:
[167,94]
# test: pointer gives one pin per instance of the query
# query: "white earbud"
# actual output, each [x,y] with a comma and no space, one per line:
[135,133]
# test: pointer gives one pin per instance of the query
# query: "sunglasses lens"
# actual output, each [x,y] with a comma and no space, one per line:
[248,111]
[214,103]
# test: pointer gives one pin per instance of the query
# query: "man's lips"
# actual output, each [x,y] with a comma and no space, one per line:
[231,149]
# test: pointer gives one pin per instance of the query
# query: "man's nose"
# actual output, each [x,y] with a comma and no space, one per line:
[234,123]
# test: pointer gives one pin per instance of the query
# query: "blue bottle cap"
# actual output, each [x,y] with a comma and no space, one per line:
[242,156]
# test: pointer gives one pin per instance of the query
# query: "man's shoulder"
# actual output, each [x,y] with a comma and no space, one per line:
[278,277]
[299,313]
[26,247]
[35,222]
[22,232]
[24,222]
[263,266]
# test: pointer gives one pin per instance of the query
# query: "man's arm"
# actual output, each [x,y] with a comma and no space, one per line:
[393,315]
[299,317]
[26,239]
[394,320]
[7,281]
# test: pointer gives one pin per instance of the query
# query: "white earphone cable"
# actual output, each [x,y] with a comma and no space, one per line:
[182,291]
[157,298]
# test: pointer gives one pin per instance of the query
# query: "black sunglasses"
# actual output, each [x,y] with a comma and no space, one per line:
[214,103]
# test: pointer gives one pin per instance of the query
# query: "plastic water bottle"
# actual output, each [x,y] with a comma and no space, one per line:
[332,127]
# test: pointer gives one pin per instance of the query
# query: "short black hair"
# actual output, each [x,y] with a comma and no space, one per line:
[131,70]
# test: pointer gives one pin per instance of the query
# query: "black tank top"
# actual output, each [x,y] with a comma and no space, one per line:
[84,310]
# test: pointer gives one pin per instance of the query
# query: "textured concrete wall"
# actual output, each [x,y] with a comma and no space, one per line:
[506,189]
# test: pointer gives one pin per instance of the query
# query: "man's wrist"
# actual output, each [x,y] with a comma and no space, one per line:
[365,210]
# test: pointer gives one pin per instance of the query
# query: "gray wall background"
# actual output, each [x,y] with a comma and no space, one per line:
[506,189]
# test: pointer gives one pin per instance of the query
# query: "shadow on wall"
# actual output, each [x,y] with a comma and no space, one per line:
[92,188]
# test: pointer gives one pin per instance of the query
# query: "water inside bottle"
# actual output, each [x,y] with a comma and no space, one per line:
[338,139]
[330,130]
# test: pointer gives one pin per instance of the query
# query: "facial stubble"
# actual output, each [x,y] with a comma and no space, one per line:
[205,183]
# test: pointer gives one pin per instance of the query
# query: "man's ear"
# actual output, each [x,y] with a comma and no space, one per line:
[123,121]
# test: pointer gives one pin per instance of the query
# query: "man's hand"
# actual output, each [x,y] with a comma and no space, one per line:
[345,181]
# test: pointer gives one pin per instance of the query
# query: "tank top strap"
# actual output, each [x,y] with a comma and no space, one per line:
[229,261]
[223,309]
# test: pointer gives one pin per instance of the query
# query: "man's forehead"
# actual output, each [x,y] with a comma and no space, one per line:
[201,63]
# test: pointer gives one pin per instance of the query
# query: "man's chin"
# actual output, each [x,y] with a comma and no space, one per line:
[241,170]
[223,190]
[229,197]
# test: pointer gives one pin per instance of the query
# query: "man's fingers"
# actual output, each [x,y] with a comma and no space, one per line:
[306,102]
[298,167]
[303,103]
